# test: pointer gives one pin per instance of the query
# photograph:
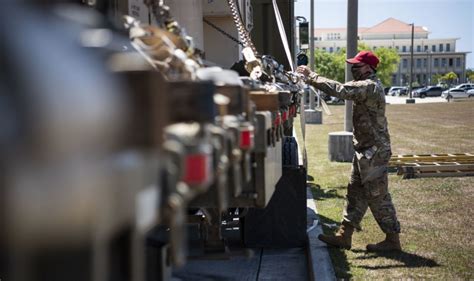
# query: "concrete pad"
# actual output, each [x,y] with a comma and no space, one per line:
[340,147]
[313,116]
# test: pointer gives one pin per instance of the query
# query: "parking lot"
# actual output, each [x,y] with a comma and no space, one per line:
[402,100]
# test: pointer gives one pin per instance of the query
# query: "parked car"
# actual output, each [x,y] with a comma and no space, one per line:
[401,92]
[416,88]
[465,86]
[430,91]
[392,90]
[470,93]
[454,93]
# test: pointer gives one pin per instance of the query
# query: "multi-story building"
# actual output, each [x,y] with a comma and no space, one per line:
[430,56]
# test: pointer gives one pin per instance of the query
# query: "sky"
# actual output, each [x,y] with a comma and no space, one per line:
[443,18]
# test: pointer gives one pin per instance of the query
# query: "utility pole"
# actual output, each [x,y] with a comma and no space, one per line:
[411,100]
[311,36]
[352,26]
[340,144]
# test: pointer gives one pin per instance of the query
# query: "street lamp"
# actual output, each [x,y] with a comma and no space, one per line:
[411,100]
[303,32]
[428,54]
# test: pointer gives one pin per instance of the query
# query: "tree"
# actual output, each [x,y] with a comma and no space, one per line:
[450,78]
[470,75]
[389,60]
[332,65]
[438,78]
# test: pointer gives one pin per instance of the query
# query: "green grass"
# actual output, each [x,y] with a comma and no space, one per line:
[436,214]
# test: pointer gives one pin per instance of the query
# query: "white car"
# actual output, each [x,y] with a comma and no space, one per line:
[457,93]
[465,86]
[393,90]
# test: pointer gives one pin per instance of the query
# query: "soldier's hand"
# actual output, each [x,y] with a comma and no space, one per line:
[304,70]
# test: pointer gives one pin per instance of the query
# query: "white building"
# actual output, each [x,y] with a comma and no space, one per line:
[431,56]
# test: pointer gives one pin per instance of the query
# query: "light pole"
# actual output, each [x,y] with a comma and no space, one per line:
[429,67]
[299,42]
[340,144]
[411,100]
[311,36]
[351,51]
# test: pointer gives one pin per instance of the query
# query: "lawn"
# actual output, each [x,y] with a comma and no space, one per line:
[436,214]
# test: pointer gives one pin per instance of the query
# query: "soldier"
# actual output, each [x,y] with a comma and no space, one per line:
[368,186]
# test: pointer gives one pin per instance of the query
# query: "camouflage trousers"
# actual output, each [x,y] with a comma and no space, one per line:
[368,188]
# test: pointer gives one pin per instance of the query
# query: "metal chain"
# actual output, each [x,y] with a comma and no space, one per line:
[224,32]
[243,33]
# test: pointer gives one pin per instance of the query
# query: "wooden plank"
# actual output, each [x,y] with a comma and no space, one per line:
[283,264]
[428,168]
[235,268]
[438,175]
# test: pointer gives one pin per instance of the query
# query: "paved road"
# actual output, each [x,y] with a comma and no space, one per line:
[402,100]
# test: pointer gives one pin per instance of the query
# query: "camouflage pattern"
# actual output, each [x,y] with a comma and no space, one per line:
[368,186]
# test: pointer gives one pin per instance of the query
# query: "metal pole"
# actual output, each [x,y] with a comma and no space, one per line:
[311,36]
[429,67]
[411,59]
[352,7]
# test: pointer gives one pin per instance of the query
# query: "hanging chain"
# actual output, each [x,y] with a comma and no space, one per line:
[243,33]
[223,32]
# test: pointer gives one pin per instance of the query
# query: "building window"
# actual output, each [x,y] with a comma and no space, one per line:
[404,49]
[398,48]
[394,79]
[426,48]
[448,47]
[450,62]
[436,62]
[418,63]
[331,49]
[405,63]
[338,49]
[375,48]
[443,62]
[433,48]
[458,62]
[440,47]
[418,48]
[425,63]
[324,49]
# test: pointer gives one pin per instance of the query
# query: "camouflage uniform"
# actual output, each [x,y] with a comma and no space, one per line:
[368,186]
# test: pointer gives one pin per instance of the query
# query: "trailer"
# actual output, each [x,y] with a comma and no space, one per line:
[152,140]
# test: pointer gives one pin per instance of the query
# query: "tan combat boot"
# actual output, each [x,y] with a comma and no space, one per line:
[342,238]
[391,243]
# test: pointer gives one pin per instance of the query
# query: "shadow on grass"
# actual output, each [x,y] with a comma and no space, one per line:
[321,194]
[409,260]
[338,256]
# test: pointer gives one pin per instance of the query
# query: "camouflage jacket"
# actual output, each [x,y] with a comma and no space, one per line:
[368,110]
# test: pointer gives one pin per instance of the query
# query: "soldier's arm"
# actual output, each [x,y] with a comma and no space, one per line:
[354,90]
